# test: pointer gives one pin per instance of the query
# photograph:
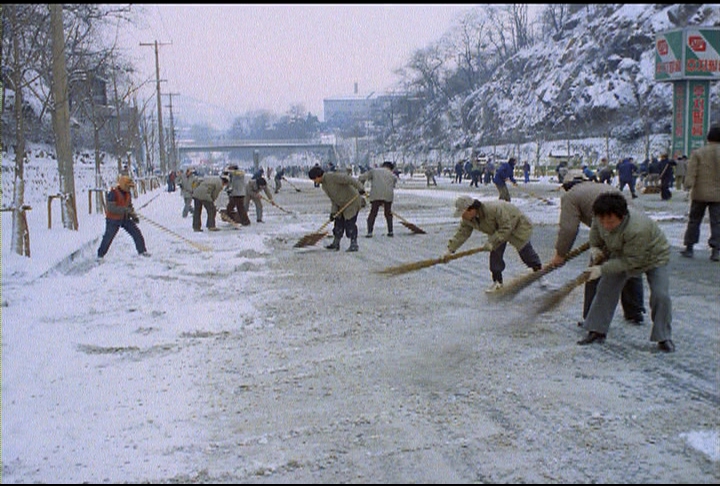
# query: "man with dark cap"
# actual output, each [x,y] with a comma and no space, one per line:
[341,188]
[503,223]
[121,214]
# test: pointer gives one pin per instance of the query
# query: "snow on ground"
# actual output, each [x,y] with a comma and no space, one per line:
[128,370]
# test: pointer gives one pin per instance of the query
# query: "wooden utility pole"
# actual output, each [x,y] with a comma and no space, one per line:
[163,160]
[173,145]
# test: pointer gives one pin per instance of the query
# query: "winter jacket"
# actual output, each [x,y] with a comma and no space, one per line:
[575,208]
[186,183]
[208,189]
[504,172]
[500,220]
[635,246]
[681,167]
[236,187]
[626,170]
[252,189]
[703,173]
[341,188]
[119,204]
[382,182]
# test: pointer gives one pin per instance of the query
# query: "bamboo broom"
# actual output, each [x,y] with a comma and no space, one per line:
[513,288]
[312,238]
[158,225]
[411,267]
[415,229]
[552,300]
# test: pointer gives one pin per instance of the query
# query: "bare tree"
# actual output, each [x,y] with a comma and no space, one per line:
[24,44]
[553,18]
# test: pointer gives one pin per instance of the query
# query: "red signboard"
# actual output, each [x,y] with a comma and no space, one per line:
[697,43]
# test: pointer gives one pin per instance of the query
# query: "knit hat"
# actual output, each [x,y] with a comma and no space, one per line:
[125,182]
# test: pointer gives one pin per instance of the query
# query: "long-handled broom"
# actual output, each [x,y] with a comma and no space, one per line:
[312,238]
[158,225]
[530,193]
[553,299]
[513,288]
[415,229]
[277,205]
[291,185]
[411,267]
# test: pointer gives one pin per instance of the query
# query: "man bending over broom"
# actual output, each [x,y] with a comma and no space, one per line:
[341,189]
[503,223]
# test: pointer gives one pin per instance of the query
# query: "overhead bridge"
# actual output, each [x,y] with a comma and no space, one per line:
[264,145]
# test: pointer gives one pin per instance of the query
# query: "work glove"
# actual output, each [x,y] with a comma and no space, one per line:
[594,272]
[446,257]
[487,246]
[596,254]
[332,216]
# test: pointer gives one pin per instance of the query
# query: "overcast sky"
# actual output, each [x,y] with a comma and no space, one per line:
[246,57]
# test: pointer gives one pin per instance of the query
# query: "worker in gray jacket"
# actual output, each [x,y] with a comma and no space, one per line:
[382,190]
[204,195]
[634,245]
[503,223]
[341,189]
[576,208]
[236,196]
[252,194]
[187,181]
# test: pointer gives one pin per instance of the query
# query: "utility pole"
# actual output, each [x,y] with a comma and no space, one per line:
[173,145]
[163,160]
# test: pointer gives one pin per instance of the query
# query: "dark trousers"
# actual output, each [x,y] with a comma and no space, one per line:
[344,226]
[112,226]
[197,213]
[237,203]
[497,262]
[665,185]
[631,298]
[374,208]
[630,184]
[697,212]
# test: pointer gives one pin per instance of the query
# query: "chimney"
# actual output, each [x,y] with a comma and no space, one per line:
[356,88]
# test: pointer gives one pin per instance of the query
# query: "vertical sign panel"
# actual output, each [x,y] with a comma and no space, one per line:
[699,109]
[679,118]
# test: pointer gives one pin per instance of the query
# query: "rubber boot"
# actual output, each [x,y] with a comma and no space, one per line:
[353,245]
[715,255]
[687,252]
[335,245]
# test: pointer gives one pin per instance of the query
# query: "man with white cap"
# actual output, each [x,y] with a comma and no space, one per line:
[503,223]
